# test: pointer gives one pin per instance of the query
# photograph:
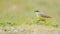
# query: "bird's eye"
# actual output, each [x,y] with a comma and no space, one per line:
[36,11]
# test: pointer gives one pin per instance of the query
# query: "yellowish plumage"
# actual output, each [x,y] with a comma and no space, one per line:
[41,18]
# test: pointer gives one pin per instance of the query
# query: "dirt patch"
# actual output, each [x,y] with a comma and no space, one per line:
[29,29]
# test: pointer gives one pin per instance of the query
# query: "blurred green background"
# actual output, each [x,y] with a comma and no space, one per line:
[17,12]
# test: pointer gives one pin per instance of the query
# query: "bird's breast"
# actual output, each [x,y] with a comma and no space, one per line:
[41,18]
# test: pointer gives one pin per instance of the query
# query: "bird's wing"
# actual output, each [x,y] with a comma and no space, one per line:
[45,16]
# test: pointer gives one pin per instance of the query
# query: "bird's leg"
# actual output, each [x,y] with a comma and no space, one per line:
[45,22]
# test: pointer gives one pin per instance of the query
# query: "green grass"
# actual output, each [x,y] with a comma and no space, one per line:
[24,11]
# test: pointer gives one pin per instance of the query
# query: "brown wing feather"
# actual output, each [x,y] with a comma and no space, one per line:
[45,16]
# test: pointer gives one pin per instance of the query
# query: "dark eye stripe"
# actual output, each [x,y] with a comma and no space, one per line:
[36,11]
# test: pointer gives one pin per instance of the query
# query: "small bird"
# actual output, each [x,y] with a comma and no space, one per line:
[41,16]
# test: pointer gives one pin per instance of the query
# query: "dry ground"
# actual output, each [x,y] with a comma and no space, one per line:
[29,29]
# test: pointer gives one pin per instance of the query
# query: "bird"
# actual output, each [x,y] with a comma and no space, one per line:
[41,16]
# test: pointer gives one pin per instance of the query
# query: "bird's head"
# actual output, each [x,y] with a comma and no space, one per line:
[37,12]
